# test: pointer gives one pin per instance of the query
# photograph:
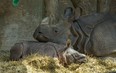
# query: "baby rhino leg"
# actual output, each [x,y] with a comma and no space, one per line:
[69,55]
[16,51]
[73,56]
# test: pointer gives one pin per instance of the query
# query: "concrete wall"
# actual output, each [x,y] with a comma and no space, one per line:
[18,23]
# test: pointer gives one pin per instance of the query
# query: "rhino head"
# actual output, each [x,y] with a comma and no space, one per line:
[56,33]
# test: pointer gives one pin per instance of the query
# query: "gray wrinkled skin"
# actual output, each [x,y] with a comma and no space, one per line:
[69,56]
[92,34]
[22,49]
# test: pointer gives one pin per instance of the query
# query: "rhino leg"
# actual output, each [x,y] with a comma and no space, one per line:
[16,51]
[87,47]
[68,55]
[80,35]
[71,56]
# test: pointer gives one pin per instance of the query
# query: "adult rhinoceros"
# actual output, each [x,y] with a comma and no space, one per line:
[92,34]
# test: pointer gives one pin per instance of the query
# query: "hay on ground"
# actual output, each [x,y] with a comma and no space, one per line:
[39,64]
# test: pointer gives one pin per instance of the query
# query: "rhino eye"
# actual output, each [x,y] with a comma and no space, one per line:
[40,32]
[56,31]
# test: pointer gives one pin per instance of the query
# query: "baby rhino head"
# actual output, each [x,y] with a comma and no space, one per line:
[16,52]
[69,55]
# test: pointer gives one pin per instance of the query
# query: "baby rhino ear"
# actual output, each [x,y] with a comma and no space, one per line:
[68,13]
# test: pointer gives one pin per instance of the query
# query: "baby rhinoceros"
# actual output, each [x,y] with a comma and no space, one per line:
[65,54]
[22,49]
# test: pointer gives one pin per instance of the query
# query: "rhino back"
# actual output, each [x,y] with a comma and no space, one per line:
[48,49]
[87,23]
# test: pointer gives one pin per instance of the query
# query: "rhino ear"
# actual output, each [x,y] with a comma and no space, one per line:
[68,13]
[78,13]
